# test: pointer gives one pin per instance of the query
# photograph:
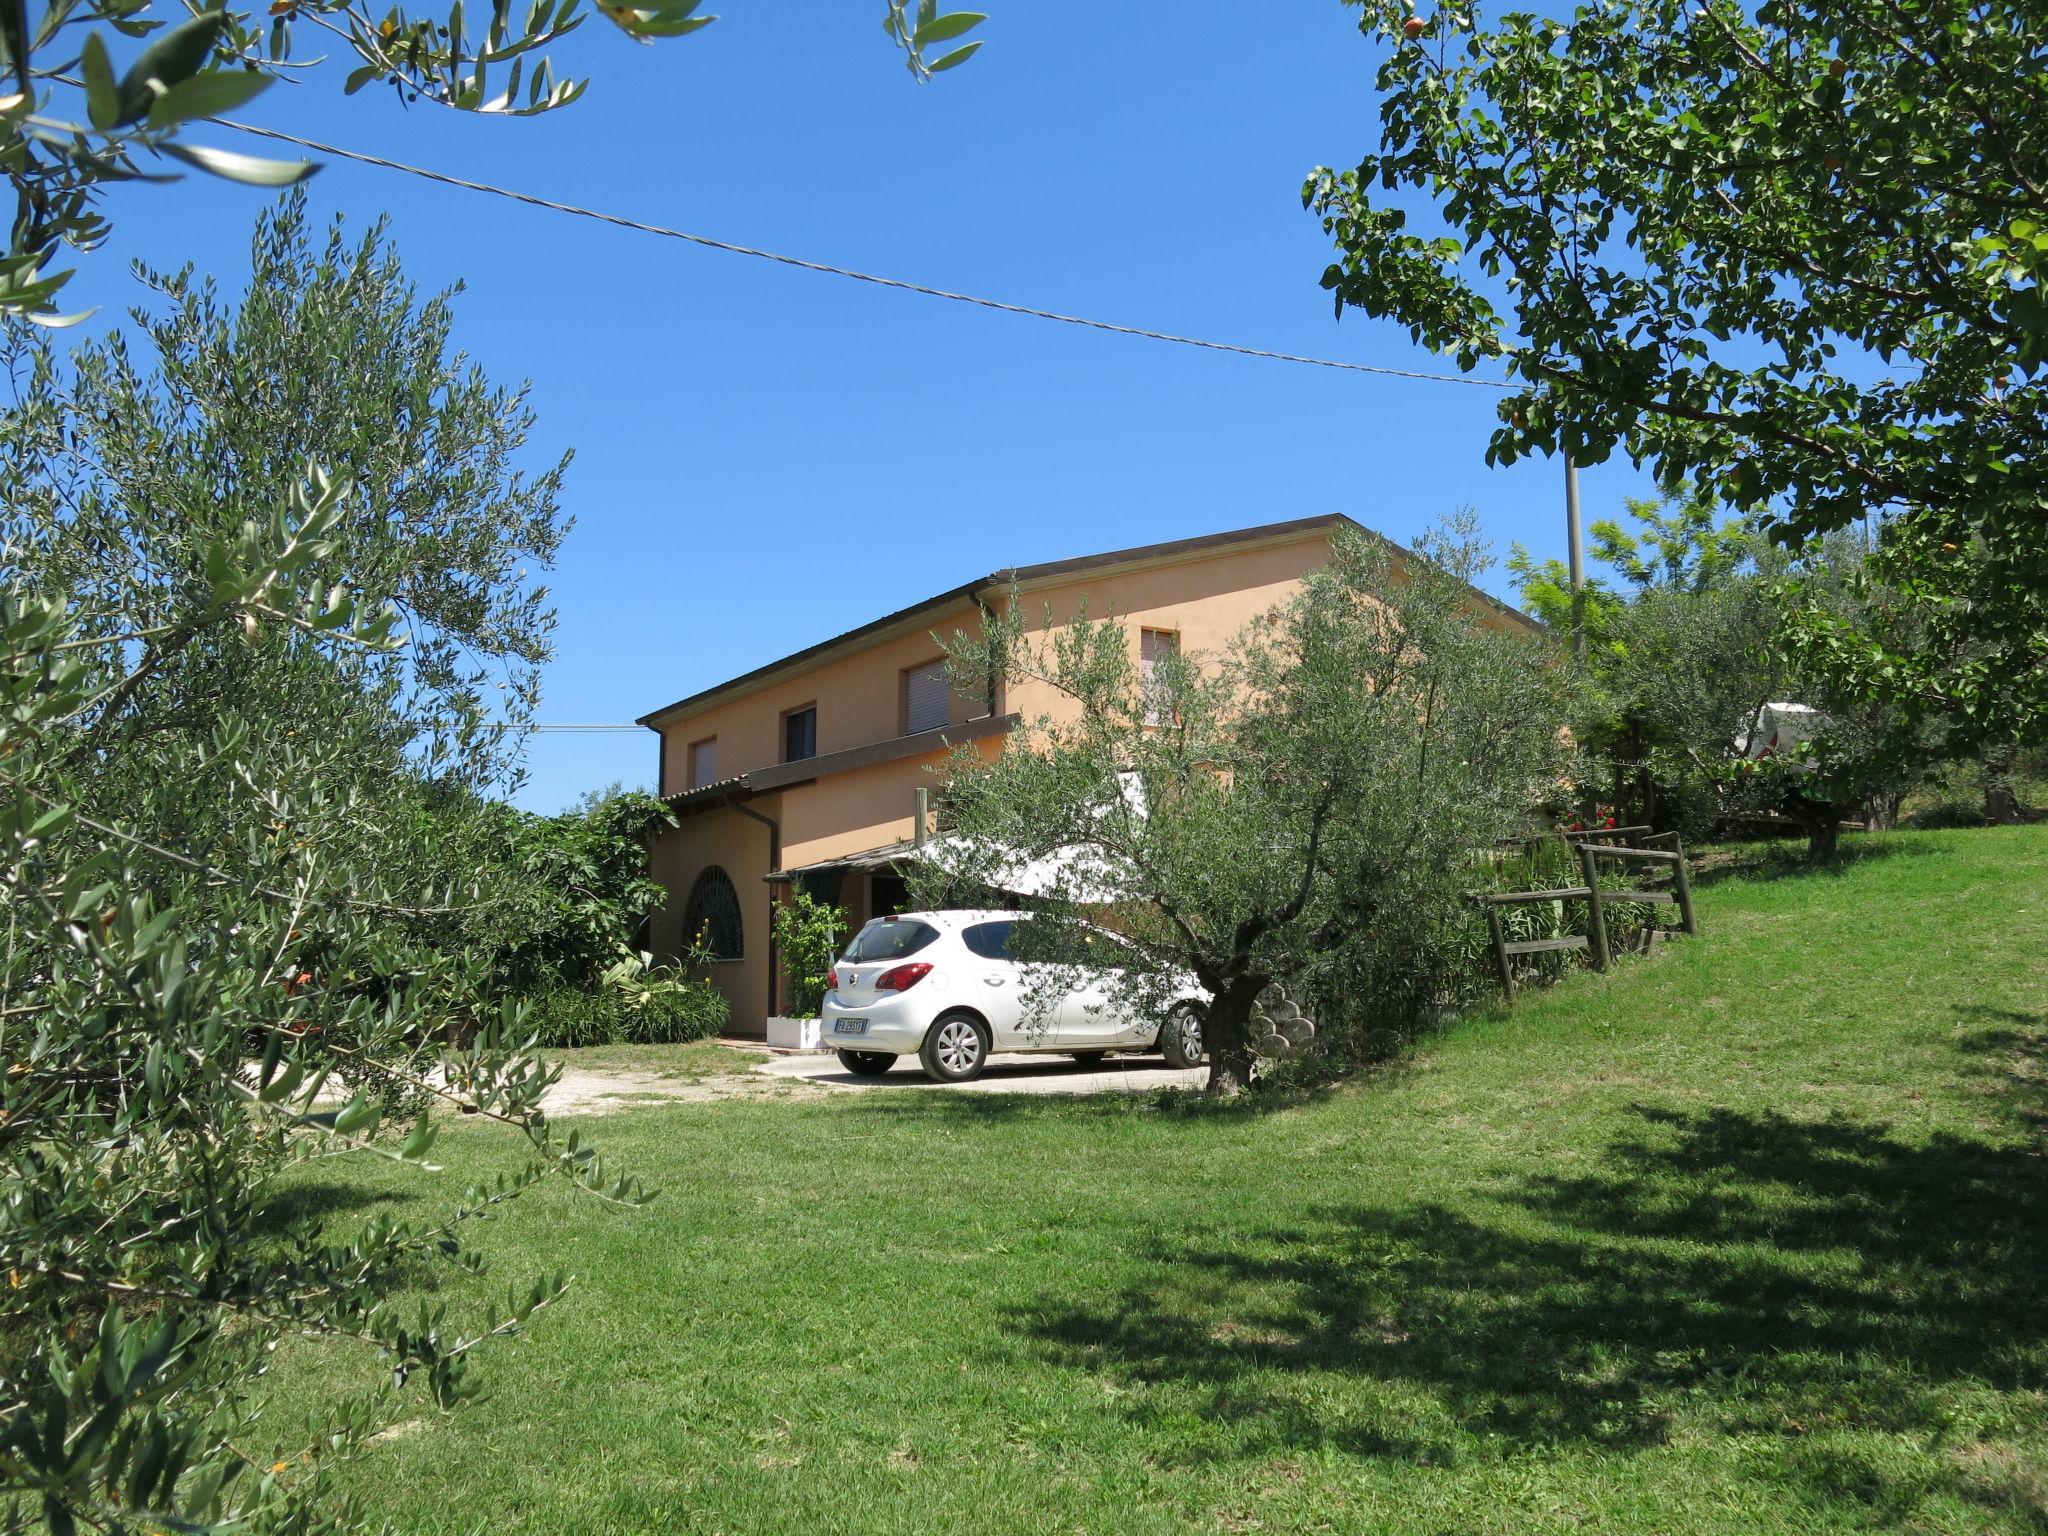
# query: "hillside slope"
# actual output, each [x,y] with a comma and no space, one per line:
[1749,1236]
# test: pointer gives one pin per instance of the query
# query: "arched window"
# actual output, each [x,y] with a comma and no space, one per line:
[712,917]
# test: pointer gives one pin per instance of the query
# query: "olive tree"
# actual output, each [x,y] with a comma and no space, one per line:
[174,999]
[120,459]
[233,937]
[1245,818]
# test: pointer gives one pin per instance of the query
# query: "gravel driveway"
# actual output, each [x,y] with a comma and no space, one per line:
[606,1090]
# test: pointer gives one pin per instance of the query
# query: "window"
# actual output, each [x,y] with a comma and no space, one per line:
[711,918]
[1155,646]
[889,938]
[991,941]
[800,734]
[926,699]
[703,762]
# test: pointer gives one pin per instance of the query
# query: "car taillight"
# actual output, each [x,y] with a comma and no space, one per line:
[903,977]
[832,979]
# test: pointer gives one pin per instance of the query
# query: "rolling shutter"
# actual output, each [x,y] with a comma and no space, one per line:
[704,763]
[1154,647]
[925,698]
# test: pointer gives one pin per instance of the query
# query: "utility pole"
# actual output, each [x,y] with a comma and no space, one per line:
[1576,555]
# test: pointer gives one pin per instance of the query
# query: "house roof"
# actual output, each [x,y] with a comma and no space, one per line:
[1026,574]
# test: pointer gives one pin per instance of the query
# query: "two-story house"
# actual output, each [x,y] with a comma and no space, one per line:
[806,770]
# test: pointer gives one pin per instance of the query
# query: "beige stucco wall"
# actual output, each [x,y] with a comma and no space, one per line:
[861,809]
[859,699]
[1205,599]
[739,845]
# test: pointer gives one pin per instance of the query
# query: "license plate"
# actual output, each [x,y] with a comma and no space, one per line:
[849,1026]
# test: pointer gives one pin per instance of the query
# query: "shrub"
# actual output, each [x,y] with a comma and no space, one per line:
[1375,994]
[1371,999]
[633,1004]
[584,890]
[666,1007]
[810,934]
[564,1017]
[1940,815]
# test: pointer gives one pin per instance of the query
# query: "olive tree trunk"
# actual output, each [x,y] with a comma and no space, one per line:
[2001,798]
[1823,839]
[1823,833]
[1227,1037]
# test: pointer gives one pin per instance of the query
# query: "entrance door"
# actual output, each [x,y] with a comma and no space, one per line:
[887,895]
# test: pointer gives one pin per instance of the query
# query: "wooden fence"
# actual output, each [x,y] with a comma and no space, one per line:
[1657,863]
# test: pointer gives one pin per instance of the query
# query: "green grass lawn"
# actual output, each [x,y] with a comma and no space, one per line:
[690,1063]
[1749,1236]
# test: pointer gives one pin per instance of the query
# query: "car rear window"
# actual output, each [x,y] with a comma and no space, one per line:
[990,940]
[890,939]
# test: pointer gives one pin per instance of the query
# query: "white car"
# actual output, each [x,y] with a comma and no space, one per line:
[943,987]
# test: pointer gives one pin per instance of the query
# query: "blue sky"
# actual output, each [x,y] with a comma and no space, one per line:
[765,457]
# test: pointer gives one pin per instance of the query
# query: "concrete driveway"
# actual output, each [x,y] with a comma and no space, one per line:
[1006,1073]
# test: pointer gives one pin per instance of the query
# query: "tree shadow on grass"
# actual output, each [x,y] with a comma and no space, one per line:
[1744,1272]
[326,1210]
[976,1111]
[916,1102]
[2007,1050]
[305,1208]
[1785,859]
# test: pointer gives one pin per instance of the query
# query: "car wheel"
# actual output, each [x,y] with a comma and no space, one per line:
[866,1063]
[955,1049]
[1180,1041]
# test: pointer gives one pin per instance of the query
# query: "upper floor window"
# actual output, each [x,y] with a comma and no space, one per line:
[1155,648]
[703,762]
[800,734]
[927,700]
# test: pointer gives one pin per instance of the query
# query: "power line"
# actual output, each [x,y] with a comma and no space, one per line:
[627,727]
[832,271]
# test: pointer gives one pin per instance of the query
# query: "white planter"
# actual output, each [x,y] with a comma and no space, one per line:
[795,1034]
